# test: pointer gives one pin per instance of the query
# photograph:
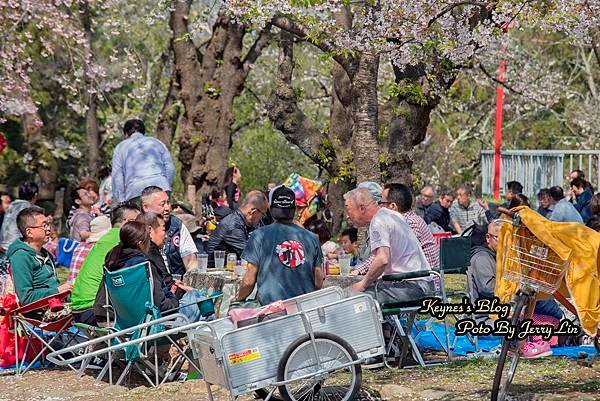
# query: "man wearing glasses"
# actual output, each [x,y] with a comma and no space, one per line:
[32,266]
[483,263]
[482,274]
[233,231]
[424,200]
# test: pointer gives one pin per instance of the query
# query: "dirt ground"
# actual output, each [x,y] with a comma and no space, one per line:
[546,379]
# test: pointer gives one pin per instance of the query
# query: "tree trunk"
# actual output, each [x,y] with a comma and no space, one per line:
[286,116]
[340,130]
[410,116]
[404,133]
[91,97]
[42,164]
[209,82]
[93,134]
[169,114]
[154,77]
[365,107]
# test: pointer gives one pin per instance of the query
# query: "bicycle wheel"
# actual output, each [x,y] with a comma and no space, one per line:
[338,383]
[508,361]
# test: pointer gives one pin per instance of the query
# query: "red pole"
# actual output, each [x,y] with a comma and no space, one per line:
[498,136]
[498,131]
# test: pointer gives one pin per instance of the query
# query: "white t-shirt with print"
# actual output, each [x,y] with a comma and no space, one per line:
[187,246]
[388,228]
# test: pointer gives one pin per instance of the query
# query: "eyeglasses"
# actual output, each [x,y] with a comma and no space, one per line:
[261,212]
[45,226]
[492,236]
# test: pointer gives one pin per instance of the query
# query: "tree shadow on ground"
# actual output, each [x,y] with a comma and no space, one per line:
[524,392]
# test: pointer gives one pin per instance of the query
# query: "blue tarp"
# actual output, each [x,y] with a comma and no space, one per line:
[426,340]
[11,369]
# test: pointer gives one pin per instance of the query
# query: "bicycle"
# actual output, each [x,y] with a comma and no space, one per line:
[537,268]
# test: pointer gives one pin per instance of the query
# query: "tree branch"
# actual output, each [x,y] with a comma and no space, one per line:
[286,116]
[451,7]
[257,47]
[510,88]
[286,24]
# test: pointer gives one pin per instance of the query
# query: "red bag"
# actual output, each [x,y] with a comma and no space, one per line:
[8,356]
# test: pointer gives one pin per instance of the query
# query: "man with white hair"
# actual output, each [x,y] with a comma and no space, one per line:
[424,200]
[394,247]
[375,190]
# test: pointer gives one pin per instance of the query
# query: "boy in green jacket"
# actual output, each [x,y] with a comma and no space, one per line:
[32,266]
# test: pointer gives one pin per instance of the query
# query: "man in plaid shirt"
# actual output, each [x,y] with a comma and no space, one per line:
[98,227]
[398,197]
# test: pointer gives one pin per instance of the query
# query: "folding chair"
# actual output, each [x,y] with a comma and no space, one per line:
[454,258]
[138,329]
[41,337]
[401,318]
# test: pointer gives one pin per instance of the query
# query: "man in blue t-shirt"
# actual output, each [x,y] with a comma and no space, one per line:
[284,260]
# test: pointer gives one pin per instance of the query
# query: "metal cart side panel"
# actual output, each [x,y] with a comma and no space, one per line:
[207,350]
[246,359]
[314,299]
[356,320]
[252,354]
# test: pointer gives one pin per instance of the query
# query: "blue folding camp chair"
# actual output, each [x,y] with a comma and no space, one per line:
[138,328]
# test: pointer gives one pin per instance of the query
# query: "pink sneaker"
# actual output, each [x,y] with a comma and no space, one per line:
[537,349]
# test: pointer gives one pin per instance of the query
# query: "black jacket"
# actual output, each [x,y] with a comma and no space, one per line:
[230,236]
[156,257]
[164,299]
[439,215]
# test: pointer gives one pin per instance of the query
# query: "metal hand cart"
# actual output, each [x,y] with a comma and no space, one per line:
[536,268]
[313,352]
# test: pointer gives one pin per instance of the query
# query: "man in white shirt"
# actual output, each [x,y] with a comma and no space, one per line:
[395,249]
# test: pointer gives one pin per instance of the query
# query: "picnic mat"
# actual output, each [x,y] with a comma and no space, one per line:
[427,340]
[11,369]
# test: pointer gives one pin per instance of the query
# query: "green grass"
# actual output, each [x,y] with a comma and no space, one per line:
[455,282]
[61,274]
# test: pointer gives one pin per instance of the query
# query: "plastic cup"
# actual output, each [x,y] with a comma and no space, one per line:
[231,261]
[344,263]
[239,269]
[219,260]
[203,262]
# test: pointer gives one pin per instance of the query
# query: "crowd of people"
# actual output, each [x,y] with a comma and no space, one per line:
[127,218]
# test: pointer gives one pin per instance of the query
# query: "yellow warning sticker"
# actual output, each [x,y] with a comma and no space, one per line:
[244,356]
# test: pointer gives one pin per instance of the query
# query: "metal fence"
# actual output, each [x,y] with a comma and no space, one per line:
[537,169]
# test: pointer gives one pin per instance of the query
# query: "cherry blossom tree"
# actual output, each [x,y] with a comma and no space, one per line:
[82,49]
[427,44]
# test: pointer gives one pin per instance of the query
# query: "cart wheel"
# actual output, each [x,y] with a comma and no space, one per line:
[338,383]
[508,361]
